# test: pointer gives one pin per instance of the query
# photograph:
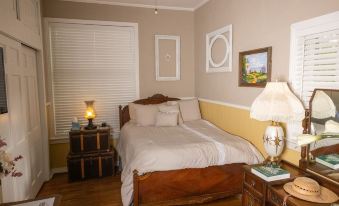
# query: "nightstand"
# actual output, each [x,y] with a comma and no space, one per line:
[90,154]
[255,189]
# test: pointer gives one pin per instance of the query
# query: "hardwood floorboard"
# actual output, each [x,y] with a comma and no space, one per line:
[99,192]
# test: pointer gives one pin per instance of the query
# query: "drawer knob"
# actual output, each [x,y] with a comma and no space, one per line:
[252,183]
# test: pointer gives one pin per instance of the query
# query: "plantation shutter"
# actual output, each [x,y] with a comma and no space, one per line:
[317,64]
[91,62]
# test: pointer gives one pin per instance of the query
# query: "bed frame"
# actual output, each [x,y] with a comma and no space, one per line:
[184,186]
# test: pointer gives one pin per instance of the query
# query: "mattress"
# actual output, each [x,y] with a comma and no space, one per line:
[195,144]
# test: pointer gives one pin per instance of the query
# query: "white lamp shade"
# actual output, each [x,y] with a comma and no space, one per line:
[322,106]
[277,103]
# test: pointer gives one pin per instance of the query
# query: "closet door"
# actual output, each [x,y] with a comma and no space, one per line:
[32,116]
[23,134]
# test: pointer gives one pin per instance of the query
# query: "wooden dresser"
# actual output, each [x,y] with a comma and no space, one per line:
[258,192]
[276,194]
[90,154]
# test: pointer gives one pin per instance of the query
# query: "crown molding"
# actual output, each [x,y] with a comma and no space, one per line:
[108,2]
[200,4]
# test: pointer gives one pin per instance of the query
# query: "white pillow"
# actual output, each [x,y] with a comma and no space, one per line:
[331,127]
[146,114]
[132,112]
[172,108]
[166,119]
[189,109]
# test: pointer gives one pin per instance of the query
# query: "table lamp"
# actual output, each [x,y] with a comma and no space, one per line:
[276,104]
[90,114]
[323,106]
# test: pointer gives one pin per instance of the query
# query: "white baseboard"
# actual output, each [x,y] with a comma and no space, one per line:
[57,170]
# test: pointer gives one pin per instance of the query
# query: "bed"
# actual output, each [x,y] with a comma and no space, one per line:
[179,165]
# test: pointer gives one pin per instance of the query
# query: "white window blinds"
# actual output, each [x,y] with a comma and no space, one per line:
[316,63]
[92,62]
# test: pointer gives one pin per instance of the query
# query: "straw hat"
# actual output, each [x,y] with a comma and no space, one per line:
[308,189]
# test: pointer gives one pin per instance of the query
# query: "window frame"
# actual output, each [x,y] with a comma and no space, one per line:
[319,24]
[49,66]
[311,26]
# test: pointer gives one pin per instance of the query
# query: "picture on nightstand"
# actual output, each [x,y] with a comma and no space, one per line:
[270,173]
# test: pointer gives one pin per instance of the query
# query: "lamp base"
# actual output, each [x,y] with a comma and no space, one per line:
[90,125]
[272,160]
[273,143]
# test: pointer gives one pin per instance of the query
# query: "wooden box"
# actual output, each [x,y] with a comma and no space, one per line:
[85,166]
[87,141]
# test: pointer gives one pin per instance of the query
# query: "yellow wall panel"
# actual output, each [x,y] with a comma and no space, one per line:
[58,155]
[238,122]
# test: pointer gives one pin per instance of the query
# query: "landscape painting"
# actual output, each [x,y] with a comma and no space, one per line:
[255,67]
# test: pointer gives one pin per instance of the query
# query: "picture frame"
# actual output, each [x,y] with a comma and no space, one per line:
[167,58]
[221,38]
[255,67]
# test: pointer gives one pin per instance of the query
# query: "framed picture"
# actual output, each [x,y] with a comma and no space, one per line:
[219,50]
[255,67]
[167,58]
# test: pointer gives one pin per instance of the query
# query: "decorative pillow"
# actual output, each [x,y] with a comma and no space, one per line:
[146,114]
[189,109]
[172,107]
[166,119]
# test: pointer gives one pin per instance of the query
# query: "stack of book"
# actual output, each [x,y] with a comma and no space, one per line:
[270,172]
[329,160]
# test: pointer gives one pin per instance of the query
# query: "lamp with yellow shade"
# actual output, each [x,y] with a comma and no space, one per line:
[90,114]
[276,104]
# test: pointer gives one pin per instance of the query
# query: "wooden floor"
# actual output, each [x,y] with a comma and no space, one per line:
[98,192]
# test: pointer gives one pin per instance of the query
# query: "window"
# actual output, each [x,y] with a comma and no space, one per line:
[314,60]
[315,55]
[91,60]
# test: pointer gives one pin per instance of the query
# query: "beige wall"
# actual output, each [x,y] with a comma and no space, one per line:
[166,22]
[256,24]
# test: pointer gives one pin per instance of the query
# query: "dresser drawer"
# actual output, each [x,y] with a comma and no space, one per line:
[254,184]
[248,199]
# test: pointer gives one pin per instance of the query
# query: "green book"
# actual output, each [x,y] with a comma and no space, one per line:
[330,160]
[270,173]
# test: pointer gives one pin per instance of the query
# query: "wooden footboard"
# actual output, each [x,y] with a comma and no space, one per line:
[187,186]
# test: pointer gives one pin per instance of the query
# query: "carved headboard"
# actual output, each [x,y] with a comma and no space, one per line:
[155,99]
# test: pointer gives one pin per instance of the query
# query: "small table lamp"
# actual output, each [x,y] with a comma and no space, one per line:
[277,104]
[90,114]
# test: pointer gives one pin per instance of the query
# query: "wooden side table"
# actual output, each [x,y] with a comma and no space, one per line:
[90,141]
[255,189]
[90,154]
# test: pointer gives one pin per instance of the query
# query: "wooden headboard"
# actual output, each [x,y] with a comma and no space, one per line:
[155,99]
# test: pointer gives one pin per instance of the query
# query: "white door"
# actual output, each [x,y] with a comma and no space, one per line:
[23,134]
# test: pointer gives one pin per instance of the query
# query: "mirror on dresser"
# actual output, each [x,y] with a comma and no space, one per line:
[322,120]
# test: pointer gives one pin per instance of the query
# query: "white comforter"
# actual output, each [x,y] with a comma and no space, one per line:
[196,144]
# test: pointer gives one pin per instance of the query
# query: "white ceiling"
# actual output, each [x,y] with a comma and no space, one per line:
[189,5]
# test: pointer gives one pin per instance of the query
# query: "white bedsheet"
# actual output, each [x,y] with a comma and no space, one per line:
[195,144]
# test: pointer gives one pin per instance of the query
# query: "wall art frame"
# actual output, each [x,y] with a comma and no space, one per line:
[255,67]
[225,35]
[158,77]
